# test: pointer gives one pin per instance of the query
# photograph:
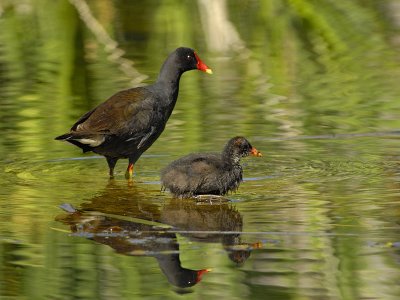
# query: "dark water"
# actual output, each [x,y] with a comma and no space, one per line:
[314,86]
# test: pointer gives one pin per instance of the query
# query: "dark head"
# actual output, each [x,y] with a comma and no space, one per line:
[181,60]
[198,275]
[239,147]
[187,59]
[188,278]
[241,252]
[239,256]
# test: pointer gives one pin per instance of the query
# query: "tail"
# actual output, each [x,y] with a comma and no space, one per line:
[68,208]
[71,138]
[64,137]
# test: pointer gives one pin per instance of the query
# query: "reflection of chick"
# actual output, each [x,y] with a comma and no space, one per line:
[206,222]
[238,252]
[132,238]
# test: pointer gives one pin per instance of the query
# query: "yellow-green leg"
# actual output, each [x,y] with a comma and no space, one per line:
[129,171]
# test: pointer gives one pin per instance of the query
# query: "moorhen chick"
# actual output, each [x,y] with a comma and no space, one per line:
[128,123]
[208,173]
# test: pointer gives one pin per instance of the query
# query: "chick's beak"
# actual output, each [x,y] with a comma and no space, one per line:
[255,152]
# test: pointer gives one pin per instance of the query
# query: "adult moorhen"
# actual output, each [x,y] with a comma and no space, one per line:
[208,173]
[129,122]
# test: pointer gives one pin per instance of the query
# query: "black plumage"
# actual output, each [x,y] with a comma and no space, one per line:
[130,121]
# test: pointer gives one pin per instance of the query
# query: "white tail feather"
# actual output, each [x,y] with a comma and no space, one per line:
[91,142]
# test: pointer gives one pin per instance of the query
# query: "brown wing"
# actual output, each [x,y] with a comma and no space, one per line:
[119,113]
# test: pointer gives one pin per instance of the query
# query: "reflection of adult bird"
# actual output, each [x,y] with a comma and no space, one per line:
[130,121]
[133,238]
[219,222]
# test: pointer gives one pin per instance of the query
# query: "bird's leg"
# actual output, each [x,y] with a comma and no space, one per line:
[111,164]
[129,171]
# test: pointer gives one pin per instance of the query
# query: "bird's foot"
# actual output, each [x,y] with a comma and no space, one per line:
[211,199]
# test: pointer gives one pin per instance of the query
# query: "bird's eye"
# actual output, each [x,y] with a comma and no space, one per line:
[189,57]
